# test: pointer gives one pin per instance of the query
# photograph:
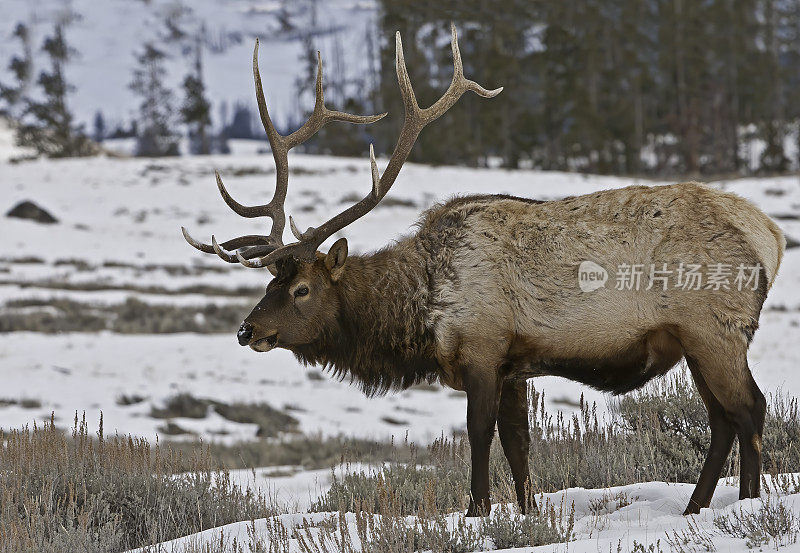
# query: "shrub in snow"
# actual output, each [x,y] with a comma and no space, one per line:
[773,522]
[508,529]
[657,434]
[271,422]
[98,494]
[129,317]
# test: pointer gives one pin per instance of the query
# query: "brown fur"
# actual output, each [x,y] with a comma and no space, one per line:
[486,293]
[380,340]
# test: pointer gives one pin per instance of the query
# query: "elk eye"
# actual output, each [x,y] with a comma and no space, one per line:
[302,291]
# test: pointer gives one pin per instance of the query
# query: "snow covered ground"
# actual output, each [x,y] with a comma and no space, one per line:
[611,519]
[118,237]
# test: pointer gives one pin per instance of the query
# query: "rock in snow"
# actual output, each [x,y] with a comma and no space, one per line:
[31,211]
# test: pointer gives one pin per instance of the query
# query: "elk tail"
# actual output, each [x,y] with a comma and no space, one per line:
[773,256]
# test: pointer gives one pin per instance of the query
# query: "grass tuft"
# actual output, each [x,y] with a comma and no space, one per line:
[104,494]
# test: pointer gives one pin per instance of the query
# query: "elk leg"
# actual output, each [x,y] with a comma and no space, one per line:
[729,379]
[749,423]
[722,434]
[482,405]
[512,424]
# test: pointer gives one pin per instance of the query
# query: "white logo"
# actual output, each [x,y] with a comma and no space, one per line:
[591,276]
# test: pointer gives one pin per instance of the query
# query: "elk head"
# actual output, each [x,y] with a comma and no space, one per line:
[301,302]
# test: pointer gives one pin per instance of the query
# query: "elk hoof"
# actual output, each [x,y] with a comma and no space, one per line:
[692,508]
[481,509]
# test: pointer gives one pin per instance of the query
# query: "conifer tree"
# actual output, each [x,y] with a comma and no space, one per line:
[196,110]
[21,67]
[99,124]
[47,124]
[156,136]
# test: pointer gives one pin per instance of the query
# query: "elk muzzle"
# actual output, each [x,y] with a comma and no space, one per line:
[247,337]
[245,334]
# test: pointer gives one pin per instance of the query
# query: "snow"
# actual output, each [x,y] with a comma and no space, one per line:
[88,372]
[605,519]
[119,229]
[8,145]
[120,225]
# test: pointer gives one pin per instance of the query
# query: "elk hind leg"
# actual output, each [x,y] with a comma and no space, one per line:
[729,379]
[750,485]
[722,434]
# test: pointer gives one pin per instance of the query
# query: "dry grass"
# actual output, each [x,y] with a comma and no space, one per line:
[657,434]
[130,317]
[97,494]
[100,286]
[772,523]
[270,421]
[308,452]
[89,493]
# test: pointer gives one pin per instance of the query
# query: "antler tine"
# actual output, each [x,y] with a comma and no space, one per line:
[414,121]
[321,115]
[403,80]
[255,254]
[225,256]
[233,244]
[280,146]
[458,86]
[272,134]
[243,210]
[279,154]
[376,176]
[205,248]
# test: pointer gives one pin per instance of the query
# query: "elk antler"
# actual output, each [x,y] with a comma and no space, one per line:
[415,120]
[260,245]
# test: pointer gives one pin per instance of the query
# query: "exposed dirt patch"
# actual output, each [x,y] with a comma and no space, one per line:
[271,422]
[131,317]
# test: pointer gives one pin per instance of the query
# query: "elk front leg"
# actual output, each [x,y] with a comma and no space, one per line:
[483,397]
[512,424]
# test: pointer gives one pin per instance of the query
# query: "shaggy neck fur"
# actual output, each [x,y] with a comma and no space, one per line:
[382,341]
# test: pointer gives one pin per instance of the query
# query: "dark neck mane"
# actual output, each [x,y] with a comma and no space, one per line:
[382,341]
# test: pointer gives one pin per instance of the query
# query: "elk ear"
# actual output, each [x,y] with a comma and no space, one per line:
[286,267]
[336,258]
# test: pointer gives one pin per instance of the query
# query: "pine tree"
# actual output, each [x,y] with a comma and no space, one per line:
[99,124]
[47,125]
[665,87]
[773,131]
[155,137]
[196,110]
[241,125]
[345,140]
[22,70]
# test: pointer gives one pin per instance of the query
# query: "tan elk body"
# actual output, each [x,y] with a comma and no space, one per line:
[486,294]
[508,269]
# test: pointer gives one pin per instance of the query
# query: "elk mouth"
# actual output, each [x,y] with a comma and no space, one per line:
[265,344]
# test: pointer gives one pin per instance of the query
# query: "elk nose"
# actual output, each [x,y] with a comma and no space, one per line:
[245,333]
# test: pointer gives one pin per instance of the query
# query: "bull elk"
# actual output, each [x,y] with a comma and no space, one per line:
[486,294]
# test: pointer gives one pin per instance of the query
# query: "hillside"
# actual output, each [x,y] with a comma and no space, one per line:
[106,35]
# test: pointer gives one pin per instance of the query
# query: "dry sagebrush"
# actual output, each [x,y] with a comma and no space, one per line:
[657,434]
[97,494]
